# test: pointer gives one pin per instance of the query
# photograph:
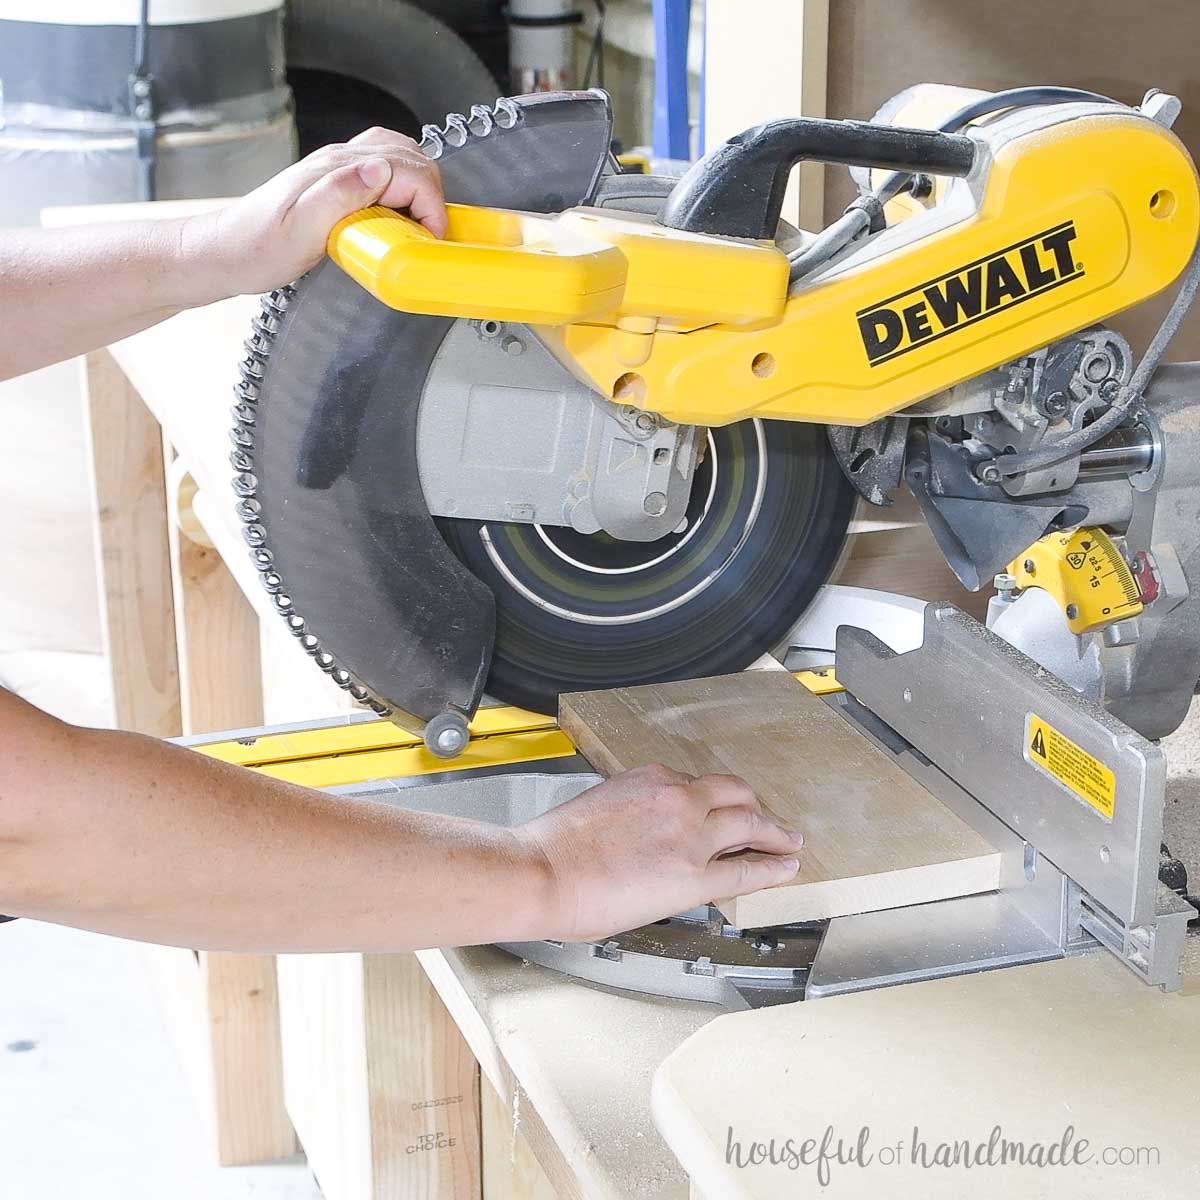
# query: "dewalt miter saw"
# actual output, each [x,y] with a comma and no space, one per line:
[611,430]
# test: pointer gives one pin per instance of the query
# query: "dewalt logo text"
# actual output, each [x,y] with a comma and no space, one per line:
[974,292]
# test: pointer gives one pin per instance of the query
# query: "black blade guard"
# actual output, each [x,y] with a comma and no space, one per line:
[325,436]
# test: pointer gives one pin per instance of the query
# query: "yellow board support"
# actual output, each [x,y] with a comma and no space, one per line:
[821,682]
[1085,573]
[363,736]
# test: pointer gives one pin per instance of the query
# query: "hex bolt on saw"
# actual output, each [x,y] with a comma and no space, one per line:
[611,430]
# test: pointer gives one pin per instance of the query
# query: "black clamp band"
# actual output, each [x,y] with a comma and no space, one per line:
[873,207]
[552,21]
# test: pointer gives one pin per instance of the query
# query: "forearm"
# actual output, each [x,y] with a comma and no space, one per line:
[66,291]
[131,836]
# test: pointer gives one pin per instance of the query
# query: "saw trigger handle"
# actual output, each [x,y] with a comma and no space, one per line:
[737,190]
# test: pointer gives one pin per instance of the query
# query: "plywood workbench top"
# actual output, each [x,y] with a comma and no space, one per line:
[1050,1053]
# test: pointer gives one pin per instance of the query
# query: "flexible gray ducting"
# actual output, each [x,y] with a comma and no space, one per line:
[69,132]
[393,46]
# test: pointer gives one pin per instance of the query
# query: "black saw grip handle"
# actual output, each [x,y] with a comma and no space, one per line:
[737,189]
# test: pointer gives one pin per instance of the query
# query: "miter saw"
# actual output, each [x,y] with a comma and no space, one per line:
[612,428]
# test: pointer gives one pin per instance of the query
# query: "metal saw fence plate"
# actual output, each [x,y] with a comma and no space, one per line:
[965,698]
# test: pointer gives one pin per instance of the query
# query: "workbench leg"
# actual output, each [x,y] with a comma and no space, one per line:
[242,1003]
[147,580]
[220,676]
[132,551]
[511,1171]
[382,1088]
[220,661]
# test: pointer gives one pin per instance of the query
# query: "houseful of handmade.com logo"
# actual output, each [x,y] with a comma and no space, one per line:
[827,1151]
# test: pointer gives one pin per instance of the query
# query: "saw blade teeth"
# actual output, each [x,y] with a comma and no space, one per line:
[249,510]
[265,327]
[507,113]
[456,131]
[432,145]
[481,121]
[251,368]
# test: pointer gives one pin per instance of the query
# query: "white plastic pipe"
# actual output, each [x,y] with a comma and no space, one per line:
[541,56]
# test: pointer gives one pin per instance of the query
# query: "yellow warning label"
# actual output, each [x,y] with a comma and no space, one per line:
[1070,764]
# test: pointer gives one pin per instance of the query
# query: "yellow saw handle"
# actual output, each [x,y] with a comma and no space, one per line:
[492,263]
[570,268]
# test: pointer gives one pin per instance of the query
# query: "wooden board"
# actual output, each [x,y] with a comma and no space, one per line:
[874,838]
[1079,1044]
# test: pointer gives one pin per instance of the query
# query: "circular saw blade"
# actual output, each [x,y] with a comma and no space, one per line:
[325,448]
[764,529]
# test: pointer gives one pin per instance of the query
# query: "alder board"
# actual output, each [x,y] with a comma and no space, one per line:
[874,838]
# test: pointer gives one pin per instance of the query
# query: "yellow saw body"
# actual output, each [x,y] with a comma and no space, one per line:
[1069,216]
[612,429]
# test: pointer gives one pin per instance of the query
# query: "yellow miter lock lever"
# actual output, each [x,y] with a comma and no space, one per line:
[581,266]
[1085,573]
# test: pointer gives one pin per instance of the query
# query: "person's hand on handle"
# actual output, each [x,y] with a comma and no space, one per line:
[275,233]
[114,278]
[650,843]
